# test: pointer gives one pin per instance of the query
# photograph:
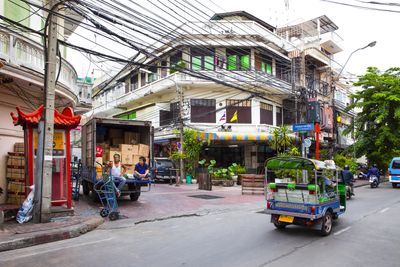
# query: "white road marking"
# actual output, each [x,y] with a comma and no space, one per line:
[13,255]
[384,210]
[342,231]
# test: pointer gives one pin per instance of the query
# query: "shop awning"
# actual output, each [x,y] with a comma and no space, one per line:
[237,136]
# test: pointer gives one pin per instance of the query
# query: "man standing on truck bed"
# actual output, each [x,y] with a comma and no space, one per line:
[117,172]
[141,169]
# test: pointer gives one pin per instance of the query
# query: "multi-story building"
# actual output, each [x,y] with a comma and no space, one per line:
[22,71]
[235,74]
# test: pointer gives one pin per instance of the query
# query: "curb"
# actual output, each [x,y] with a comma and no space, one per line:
[367,183]
[51,236]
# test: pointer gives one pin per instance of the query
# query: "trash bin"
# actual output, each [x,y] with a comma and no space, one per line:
[188,179]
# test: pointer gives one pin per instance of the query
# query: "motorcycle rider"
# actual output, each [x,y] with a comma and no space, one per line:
[374,171]
[348,178]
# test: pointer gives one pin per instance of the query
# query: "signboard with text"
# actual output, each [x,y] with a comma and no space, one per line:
[58,143]
[303,127]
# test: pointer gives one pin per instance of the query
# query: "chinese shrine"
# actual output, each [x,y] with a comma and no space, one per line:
[61,176]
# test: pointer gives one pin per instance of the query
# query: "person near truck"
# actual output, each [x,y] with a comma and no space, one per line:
[141,169]
[117,173]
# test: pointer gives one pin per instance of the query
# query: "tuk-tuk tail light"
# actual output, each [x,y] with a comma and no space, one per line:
[274,190]
[312,210]
[311,192]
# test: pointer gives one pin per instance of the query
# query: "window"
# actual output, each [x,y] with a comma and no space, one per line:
[263,63]
[165,117]
[396,164]
[135,82]
[242,109]
[203,110]
[266,114]
[127,116]
[283,71]
[142,79]
[153,75]
[169,117]
[278,116]
[202,60]
[175,61]
[163,69]
[238,59]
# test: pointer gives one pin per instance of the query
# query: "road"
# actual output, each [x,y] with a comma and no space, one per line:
[238,235]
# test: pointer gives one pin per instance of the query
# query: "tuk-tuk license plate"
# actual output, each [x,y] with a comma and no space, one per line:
[286,218]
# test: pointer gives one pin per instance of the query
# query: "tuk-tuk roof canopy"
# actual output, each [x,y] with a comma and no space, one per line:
[297,163]
[64,119]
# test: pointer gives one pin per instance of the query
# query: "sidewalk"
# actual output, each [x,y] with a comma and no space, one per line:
[15,236]
[165,201]
[162,202]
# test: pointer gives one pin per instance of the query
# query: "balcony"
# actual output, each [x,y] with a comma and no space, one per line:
[25,58]
[331,42]
[261,80]
[236,28]
[317,87]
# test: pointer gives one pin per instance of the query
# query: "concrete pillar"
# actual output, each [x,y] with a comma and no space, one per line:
[255,112]
[273,67]
[252,59]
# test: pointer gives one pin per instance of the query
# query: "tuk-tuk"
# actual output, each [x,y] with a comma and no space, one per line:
[305,192]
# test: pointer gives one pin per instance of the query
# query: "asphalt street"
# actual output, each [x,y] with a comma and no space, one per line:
[236,235]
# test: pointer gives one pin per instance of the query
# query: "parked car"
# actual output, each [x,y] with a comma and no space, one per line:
[164,169]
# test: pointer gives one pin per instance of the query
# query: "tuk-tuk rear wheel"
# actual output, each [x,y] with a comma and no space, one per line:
[280,225]
[327,221]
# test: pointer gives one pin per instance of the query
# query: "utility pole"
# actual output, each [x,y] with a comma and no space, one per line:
[179,92]
[44,163]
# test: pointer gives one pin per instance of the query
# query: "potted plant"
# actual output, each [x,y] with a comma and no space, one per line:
[233,171]
[240,170]
[189,172]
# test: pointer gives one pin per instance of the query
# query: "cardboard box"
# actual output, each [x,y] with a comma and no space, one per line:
[110,154]
[135,159]
[144,150]
[16,160]
[130,168]
[14,173]
[16,187]
[115,133]
[131,138]
[126,153]
[19,147]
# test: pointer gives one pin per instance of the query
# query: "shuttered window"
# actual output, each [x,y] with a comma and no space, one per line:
[242,109]
[203,110]
[266,114]
[279,116]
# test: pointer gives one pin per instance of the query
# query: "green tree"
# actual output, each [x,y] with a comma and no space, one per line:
[281,139]
[377,125]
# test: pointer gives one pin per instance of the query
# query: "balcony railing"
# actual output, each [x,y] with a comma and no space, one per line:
[244,27]
[24,52]
[317,87]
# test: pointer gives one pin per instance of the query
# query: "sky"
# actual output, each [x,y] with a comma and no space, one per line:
[357,28]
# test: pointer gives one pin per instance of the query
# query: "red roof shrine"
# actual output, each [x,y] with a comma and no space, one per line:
[65,119]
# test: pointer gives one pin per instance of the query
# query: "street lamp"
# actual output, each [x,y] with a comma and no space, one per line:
[371,44]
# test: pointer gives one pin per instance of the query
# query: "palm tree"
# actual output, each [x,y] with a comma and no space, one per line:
[285,141]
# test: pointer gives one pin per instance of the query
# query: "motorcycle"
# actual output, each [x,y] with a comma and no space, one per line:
[350,190]
[373,181]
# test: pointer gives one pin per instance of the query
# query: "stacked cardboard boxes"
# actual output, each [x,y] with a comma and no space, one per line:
[131,138]
[15,174]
